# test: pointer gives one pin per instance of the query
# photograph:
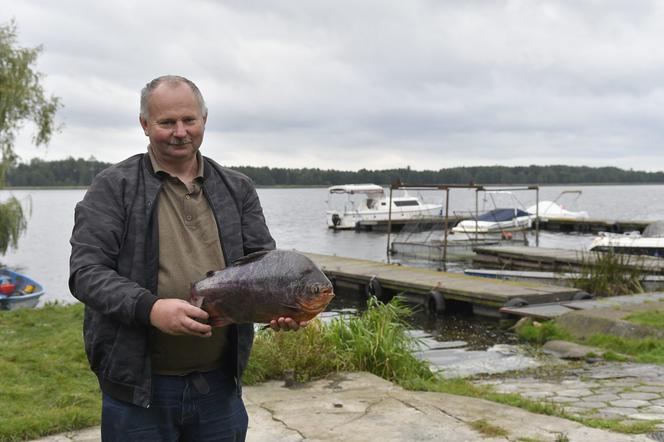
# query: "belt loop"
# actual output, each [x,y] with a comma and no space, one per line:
[199,383]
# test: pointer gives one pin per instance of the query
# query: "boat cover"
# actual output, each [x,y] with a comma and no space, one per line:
[502,215]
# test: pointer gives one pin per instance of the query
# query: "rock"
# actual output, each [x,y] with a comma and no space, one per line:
[570,350]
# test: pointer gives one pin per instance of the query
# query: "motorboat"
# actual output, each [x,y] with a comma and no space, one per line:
[555,210]
[496,220]
[507,215]
[369,203]
[18,291]
[650,242]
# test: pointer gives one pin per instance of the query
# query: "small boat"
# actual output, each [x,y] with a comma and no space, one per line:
[505,216]
[554,209]
[496,220]
[650,242]
[18,291]
[368,203]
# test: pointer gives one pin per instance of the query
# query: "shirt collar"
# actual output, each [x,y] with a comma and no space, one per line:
[160,170]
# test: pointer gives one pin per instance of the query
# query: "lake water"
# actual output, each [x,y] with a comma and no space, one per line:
[296,218]
[458,345]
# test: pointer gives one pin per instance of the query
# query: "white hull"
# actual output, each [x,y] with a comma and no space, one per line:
[472,226]
[629,244]
[371,205]
[551,210]
[350,220]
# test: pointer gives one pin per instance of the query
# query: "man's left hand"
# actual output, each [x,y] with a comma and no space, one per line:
[287,324]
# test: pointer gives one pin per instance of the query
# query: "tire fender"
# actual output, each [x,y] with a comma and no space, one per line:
[436,302]
[373,288]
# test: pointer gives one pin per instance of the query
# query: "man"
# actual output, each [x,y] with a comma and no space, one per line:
[148,228]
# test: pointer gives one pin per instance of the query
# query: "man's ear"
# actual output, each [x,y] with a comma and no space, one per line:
[144,125]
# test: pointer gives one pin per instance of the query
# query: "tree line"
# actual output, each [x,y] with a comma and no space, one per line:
[80,172]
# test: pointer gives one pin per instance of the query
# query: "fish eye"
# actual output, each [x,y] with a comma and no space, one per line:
[315,289]
[209,273]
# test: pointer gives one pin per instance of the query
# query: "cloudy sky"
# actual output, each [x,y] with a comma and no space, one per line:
[364,83]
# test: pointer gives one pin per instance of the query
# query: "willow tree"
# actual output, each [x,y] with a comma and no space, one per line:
[22,99]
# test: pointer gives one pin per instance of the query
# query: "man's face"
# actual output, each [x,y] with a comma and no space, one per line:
[175,124]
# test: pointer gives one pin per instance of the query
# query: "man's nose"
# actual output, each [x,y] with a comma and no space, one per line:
[179,130]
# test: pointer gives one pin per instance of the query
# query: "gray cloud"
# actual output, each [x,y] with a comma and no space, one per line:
[364,84]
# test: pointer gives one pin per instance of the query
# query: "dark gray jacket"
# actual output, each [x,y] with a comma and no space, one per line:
[114,266]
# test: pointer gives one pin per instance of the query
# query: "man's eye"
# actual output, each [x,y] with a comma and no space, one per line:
[166,123]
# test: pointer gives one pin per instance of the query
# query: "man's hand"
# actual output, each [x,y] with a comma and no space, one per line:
[287,324]
[178,317]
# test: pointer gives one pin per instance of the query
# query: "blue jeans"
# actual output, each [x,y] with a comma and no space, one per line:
[201,407]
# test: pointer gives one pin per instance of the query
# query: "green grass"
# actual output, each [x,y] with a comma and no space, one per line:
[647,351]
[543,332]
[488,429]
[652,318]
[47,386]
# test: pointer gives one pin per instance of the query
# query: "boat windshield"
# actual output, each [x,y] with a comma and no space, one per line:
[654,230]
[406,203]
[502,215]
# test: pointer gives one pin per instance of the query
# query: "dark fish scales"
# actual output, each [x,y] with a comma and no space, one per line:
[264,286]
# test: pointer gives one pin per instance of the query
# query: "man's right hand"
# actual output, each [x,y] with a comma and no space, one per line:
[178,317]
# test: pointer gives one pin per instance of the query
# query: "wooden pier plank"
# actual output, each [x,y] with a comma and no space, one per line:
[476,290]
[543,258]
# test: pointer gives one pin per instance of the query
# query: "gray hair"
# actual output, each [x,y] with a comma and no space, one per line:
[172,80]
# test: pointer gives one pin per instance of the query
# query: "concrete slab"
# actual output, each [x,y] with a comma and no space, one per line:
[359,407]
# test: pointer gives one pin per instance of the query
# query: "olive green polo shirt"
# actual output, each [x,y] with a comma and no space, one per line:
[189,247]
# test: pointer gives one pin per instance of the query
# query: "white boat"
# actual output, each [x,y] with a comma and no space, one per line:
[369,203]
[496,220]
[650,242]
[506,216]
[555,210]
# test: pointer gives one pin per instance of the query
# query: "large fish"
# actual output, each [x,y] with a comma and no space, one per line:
[264,286]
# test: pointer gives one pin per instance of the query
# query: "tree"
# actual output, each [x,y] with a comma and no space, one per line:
[22,98]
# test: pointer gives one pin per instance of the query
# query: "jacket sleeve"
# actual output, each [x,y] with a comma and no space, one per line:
[255,234]
[99,225]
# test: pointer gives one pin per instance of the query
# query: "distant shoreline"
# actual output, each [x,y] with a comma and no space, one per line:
[325,186]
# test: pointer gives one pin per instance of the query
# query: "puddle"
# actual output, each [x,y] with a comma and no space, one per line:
[456,345]
[464,346]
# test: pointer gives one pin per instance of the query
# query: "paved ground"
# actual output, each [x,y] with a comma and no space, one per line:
[615,391]
[362,407]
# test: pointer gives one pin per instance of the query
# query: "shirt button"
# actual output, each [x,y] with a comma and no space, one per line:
[188,217]
[187,196]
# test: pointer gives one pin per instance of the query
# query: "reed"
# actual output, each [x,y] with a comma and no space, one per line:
[375,341]
[610,274]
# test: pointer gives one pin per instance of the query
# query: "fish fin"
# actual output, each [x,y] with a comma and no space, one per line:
[250,257]
[295,308]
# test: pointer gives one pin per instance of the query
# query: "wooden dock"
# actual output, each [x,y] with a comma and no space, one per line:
[435,289]
[551,311]
[556,260]
[591,225]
